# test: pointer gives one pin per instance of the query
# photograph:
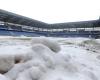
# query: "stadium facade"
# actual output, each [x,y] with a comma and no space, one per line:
[16,25]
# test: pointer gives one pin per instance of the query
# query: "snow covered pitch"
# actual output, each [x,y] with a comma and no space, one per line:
[41,58]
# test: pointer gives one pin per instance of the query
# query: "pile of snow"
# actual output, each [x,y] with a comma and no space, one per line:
[21,58]
[53,45]
[70,41]
[6,62]
[40,58]
[45,59]
[91,45]
[2,77]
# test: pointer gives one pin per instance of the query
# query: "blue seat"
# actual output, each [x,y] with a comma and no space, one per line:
[3,27]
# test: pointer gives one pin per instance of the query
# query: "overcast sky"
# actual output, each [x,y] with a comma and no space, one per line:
[54,11]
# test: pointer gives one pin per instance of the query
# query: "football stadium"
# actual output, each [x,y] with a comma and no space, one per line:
[38,50]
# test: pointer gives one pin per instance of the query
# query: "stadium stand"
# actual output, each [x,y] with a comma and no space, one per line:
[16,25]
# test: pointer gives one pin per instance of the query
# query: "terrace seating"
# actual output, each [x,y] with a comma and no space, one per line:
[3,27]
[17,33]
[17,28]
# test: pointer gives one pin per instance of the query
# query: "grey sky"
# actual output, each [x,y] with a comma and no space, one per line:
[54,11]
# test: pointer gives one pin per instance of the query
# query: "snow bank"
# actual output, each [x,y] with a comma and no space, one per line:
[41,57]
[16,54]
[36,54]
[91,45]
[10,55]
[53,45]
[6,62]
[2,77]
[33,73]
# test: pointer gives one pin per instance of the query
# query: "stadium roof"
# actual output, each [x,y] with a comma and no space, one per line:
[80,24]
[18,19]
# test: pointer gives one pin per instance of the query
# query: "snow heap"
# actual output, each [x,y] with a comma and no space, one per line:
[92,45]
[44,59]
[37,58]
[6,62]
[53,45]
[2,77]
